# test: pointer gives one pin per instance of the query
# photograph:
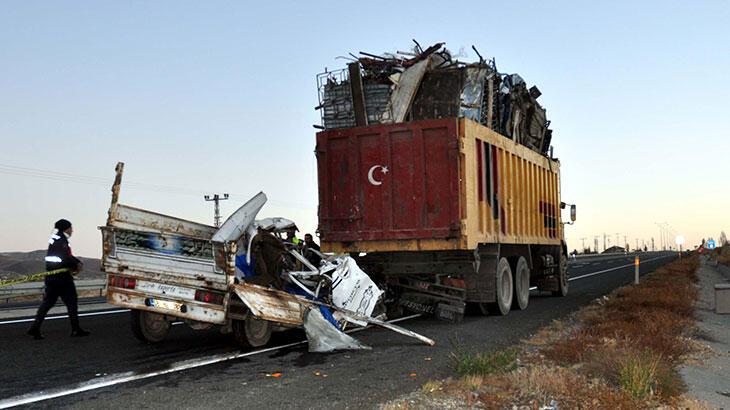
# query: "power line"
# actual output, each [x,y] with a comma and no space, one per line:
[141,186]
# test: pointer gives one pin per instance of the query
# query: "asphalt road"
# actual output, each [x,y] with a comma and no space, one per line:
[396,364]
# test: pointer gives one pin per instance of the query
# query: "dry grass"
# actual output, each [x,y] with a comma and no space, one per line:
[540,385]
[620,353]
[635,338]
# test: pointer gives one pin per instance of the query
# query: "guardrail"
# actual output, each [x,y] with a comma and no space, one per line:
[36,288]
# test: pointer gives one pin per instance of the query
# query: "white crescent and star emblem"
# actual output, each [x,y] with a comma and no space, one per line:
[371,178]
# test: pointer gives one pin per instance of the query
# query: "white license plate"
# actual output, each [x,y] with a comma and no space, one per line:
[167,290]
[163,304]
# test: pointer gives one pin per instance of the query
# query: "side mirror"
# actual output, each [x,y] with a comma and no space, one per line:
[572,213]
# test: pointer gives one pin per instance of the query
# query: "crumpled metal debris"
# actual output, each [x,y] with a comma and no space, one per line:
[281,285]
[447,88]
[324,337]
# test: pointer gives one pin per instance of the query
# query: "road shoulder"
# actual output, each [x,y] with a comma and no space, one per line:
[707,376]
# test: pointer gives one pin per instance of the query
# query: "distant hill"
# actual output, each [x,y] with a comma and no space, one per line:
[17,264]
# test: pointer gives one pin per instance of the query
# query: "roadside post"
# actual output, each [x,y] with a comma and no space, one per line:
[679,240]
[636,270]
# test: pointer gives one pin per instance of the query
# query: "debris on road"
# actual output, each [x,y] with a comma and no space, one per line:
[324,337]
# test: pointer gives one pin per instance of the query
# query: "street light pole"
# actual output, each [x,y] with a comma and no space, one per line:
[216,209]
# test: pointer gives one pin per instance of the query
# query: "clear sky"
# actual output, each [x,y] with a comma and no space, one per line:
[203,97]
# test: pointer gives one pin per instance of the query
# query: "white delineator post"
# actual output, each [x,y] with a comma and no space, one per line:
[636,270]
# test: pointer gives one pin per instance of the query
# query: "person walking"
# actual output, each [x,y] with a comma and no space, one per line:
[60,284]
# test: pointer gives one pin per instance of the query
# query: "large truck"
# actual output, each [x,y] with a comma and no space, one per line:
[446,211]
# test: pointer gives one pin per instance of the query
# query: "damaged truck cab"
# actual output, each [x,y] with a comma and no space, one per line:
[166,269]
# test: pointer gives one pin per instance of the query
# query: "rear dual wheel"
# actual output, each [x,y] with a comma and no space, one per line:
[522,284]
[562,277]
[505,290]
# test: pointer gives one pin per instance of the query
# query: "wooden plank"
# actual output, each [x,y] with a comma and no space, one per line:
[358,94]
[405,91]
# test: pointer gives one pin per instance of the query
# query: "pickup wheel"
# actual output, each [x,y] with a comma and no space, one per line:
[149,327]
[522,284]
[505,289]
[562,277]
[252,332]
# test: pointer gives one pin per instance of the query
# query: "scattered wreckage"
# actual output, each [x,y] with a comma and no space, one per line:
[244,276]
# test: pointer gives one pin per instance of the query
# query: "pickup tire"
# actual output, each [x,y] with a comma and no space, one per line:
[505,289]
[149,327]
[252,332]
[521,284]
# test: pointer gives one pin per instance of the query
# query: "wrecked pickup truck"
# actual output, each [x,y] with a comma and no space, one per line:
[243,276]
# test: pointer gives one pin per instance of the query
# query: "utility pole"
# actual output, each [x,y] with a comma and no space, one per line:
[626,244]
[661,235]
[604,241]
[217,209]
[595,243]
[652,244]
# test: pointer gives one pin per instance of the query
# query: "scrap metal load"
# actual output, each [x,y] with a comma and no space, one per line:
[431,84]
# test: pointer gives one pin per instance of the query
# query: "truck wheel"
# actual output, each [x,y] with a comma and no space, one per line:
[505,289]
[149,327]
[252,332]
[522,284]
[562,277]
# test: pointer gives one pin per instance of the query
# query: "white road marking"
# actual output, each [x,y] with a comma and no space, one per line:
[587,275]
[617,268]
[105,312]
[131,376]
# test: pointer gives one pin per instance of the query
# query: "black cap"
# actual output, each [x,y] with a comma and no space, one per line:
[62,225]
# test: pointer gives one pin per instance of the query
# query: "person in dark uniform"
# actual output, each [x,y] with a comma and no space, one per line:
[309,245]
[59,256]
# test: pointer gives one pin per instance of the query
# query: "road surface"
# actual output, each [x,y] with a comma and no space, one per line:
[202,369]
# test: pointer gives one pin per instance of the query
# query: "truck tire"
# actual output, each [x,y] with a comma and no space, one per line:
[562,277]
[252,332]
[149,327]
[505,289]
[521,284]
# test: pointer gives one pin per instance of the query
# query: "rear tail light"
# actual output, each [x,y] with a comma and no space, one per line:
[209,297]
[122,282]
